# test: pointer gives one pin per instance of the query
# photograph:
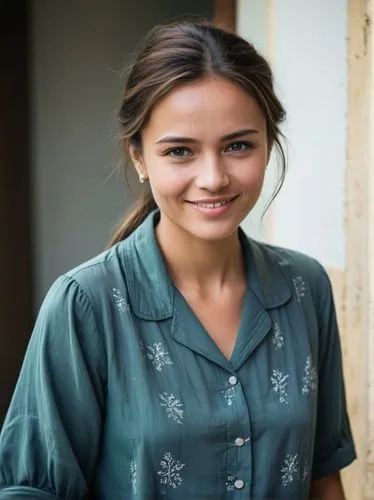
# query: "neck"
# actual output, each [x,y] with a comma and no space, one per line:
[204,267]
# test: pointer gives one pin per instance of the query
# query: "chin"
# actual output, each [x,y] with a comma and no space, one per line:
[212,232]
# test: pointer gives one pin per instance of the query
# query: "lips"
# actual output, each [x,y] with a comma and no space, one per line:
[213,203]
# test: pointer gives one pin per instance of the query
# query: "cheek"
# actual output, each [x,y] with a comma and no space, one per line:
[253,173]
[169,182]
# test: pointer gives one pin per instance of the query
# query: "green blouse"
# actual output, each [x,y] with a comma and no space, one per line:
[123,393]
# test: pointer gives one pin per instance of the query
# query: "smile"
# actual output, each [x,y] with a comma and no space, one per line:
[216,208]
[213,205]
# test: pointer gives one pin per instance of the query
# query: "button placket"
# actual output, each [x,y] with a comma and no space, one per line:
[239,462]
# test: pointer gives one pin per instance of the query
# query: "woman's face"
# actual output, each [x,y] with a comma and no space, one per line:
[204,151]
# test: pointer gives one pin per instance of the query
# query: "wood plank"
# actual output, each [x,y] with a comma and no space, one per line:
[359,479]
[224,14]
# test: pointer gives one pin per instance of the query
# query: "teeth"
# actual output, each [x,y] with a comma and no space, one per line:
[213,205]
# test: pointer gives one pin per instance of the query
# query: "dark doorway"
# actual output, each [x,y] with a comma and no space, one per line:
[15,245]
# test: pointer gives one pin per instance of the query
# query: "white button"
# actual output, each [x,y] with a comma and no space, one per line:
[239,484]
[239,442]
[233,380]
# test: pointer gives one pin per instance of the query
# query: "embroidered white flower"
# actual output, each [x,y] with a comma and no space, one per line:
[278,339]
[229,395]
[290,469]
[280,385]
[121,303]
[306,471]
[230,486]
[310,376]
[300,287]
[174,408]
[158,355]
[133,474]
[281,258]
[170,471]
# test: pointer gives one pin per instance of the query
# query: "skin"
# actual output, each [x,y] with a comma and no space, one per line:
[327,488]
[207,140]
[209,167]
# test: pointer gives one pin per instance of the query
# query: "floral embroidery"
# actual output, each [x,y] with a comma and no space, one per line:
[290,469]
[306,471]
[280,384]
[300,287]
[133,474]
[158,355]
[229,395]
[310,377]
[170,471]
[174,408]
[280,258]
[230,486]
[121,303]
[278,339]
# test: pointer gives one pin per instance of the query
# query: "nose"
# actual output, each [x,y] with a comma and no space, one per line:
[212,174]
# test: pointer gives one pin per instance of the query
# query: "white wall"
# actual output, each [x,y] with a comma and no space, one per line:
[78,51]
[308,54]
[252,22]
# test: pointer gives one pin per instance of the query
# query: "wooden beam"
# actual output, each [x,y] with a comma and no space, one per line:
[224,14]
[359,285]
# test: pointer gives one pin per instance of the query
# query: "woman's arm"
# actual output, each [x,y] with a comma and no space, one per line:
[50,438]
[327,488]
[334,446]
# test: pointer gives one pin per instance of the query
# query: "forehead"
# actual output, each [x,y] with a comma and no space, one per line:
[209,106]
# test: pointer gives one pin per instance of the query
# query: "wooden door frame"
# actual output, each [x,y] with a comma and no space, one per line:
[224,14]
[359,276]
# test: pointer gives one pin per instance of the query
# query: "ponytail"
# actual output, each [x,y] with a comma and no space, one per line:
[142,208]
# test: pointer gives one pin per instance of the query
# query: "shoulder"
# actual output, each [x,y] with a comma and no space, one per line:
[86,303]
[99,268]
[296,267]
[90,284]
[293,261]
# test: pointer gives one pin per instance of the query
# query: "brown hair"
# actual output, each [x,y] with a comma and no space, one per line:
[179,53]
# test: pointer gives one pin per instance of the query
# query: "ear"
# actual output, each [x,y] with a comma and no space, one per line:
[137,159]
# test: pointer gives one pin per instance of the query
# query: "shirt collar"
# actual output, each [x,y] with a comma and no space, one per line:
[151,291]
[148,281]
[264,274]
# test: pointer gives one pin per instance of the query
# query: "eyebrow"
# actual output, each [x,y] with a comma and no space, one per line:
[187,140]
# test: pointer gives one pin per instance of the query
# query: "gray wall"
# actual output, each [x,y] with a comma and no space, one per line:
[79,48]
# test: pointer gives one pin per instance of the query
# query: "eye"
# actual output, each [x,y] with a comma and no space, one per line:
[240,147]
[179,152]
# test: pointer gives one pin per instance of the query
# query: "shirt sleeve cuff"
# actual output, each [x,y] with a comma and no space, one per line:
[340,459]
[25,492]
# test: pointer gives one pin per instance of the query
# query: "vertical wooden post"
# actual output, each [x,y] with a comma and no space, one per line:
[368,36]
[224,14]
[359,277]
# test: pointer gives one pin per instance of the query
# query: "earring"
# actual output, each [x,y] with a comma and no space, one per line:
[141,178]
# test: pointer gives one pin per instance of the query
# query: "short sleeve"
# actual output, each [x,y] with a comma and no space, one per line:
[49,442]
[334,447]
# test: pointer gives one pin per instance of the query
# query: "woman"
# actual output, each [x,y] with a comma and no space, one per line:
[187,361]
